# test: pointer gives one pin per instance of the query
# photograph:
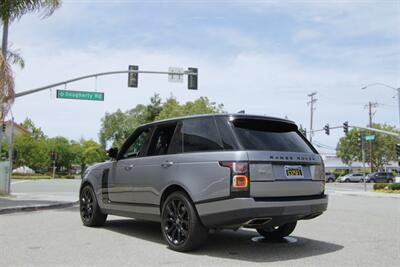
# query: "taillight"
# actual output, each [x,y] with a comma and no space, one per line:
[240,182]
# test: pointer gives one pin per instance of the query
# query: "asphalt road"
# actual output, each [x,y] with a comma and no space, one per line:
[56,186]
[355,231]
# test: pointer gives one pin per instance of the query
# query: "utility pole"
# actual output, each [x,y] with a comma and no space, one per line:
[371,105]
[362,134]
[312,108]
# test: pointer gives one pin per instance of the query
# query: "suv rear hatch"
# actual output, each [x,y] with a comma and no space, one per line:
[282,163]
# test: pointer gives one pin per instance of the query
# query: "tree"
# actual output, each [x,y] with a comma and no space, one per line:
[65,156]
[171,108]
[11,10]
[117,126]
[349,149]
[7,93]
[32,152]
[87,152]
[36,132]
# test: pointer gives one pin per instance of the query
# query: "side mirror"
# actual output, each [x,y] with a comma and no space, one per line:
[112,152]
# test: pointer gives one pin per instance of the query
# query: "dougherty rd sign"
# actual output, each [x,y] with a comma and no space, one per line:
[81,95]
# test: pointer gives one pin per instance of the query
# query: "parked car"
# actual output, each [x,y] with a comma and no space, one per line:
[206,172]
[352,177]
[380,177]
[330,177]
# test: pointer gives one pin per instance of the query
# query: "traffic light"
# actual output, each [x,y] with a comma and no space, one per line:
[327,129]
[133,77]
[192,79]
[346,127]
[3,127]
[398,150]
[360,139]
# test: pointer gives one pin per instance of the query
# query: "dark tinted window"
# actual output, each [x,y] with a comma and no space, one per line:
[138,147]
[176,144]
[200,134]
[161,140]
[225,132]
[266,135]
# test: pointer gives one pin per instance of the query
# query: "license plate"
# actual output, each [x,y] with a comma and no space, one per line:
[294,171]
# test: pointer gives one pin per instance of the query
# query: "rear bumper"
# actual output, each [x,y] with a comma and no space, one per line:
[237,211]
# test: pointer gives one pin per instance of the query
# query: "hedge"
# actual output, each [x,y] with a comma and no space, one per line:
[384,186]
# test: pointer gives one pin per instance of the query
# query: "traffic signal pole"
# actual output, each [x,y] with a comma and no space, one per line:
[39,89]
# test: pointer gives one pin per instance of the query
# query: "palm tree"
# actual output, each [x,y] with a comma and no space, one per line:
[14,58]
[7,87]
[11,10]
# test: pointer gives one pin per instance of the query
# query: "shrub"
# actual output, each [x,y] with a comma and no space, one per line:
[395,186]
[380,186]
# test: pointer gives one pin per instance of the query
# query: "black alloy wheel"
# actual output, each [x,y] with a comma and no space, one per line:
[90,212]
[180,225]
[176,221]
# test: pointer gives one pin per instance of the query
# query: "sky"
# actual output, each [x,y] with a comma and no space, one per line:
[263,57]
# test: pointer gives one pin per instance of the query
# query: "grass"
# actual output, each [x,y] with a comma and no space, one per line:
[387,191]
[37,177]
[31,177]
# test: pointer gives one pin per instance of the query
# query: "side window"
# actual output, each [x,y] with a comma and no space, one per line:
[226,133]
[200,134]
[161,140]
[138,147]
[176,145]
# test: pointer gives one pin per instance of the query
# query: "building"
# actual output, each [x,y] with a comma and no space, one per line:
[332,163]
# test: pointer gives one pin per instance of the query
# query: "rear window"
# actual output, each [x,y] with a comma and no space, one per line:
[266,135]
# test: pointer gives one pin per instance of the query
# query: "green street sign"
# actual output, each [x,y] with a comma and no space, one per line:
[370,137]
[82,95]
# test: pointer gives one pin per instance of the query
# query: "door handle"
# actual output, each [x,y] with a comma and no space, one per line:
[167,164]
[128,168]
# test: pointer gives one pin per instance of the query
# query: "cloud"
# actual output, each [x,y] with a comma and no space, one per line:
[238,66]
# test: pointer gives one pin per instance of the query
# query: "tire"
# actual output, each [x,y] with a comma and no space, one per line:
[330,180]
[278,233]
[372,180]
[347,180]
[180,224]
[390,180]
[361,180]
[91,214]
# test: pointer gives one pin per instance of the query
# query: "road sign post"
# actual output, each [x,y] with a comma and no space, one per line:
[80,95]
[370,137]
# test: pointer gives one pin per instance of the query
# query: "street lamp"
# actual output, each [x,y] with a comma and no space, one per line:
[388,86]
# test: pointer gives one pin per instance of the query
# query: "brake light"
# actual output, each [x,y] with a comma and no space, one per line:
[236,167]
[240,182]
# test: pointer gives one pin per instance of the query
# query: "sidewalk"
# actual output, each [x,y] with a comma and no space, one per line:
[40,194]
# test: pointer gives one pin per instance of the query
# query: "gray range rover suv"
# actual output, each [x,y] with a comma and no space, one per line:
[206,172]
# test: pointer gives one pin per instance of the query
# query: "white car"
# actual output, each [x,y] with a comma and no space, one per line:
[352,177]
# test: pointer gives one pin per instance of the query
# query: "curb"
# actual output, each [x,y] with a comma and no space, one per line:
[37,207]
[367,194]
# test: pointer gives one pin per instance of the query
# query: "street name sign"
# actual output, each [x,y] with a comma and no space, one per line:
[81,95]
[370,137]
[176,76]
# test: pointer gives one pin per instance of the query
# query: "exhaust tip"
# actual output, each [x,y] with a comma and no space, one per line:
[257,221]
